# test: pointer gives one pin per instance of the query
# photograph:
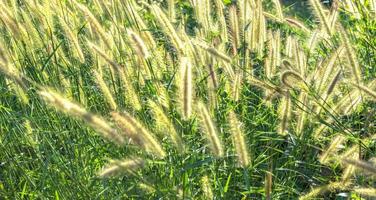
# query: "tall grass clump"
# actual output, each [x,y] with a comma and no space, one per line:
[191,99]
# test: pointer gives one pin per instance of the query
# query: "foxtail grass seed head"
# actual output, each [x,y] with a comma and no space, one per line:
[73,39]
[278,8]
[10,71]
[101,53]
[131,95]
[351,8]
[367,90]
[127,129]
[361,165]
[268,185]
[139,133]
[302,62]
[322,16]
[349,170]
[313,40]
[138,44]
[262,84]
[213,51]
[373,7]
[148,188]
[258,26]
[171,10]
[132,11]
[237,85]
[288,46]
[309,75]
[210,131]
[168,27]
[239,141]
[105,90]
[284,112]
[298,24]
[117,167]
[334,82]
[219,10]
[9,22]
[165,125]
[186,87]
[369,192]
[272,17]
[206,188]
[30,134]
[3,57]
[202,12]
[291,78]
[320,191]
[277,60]
[302,114]
[332,149]
[18,90]
[333,16]
[234,29]
[96,25]
[357,73]
[64,105]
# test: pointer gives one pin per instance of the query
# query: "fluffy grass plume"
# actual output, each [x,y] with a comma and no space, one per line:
[268,185]
[206,188]
[117,167]
[322,190]
[105,90]
[73,39]
[214,51]
[333,82]
[349,170]
[97,27]
[331,149]
[138,44]
[186,87]
[357,72]
[278,8]
[369,192]
[131,96]
[284,112]
[302,114]
[165,126]
[234,29]
[297,23]
[239,142]
[133,128]
[64,105]
[364,166]
[294,84]
[107,58]
[321,14]
[210,131]
[168,27]
[367,90]
[291,78]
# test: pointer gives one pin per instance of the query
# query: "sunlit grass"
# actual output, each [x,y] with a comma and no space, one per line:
[203,99]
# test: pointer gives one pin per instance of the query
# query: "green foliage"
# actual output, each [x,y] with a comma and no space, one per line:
[48,153]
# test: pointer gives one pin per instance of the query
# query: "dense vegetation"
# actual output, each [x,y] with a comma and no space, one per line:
[188,99]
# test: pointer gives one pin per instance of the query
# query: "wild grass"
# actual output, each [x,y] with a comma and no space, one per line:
[186,100]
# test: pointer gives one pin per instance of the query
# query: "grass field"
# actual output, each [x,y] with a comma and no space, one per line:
[187,99]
